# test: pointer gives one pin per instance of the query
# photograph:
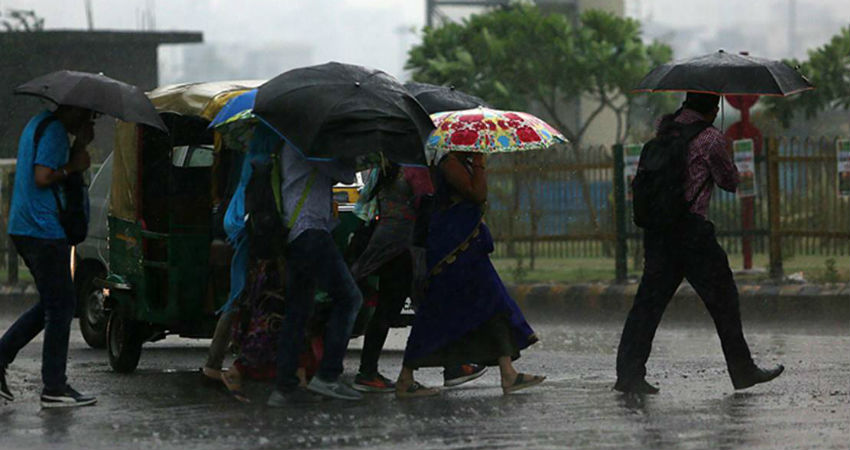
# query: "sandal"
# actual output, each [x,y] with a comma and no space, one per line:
[415,390]
[523,381]
[233,383]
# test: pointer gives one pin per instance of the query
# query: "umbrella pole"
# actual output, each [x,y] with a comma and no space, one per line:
[722,113]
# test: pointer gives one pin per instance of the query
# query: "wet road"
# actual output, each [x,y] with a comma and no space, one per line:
[165,404]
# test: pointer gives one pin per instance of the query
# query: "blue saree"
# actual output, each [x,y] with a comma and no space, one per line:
[464,296]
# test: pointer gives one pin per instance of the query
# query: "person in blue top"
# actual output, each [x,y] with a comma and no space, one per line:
[40,240]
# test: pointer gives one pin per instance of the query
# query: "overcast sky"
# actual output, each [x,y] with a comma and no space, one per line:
[378,32]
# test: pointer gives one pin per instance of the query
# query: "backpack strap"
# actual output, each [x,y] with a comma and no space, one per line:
[301,200]
[36,138]
[276,182]
[39,132]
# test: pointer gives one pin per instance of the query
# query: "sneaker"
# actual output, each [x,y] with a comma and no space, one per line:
[333,389]
[373,383]
[299,395]
[4,388]
[66,398]
[455,376]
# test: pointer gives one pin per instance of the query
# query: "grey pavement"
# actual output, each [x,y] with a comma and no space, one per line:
[166,404]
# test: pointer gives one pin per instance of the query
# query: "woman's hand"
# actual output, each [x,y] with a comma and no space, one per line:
[478,159]
[472,187]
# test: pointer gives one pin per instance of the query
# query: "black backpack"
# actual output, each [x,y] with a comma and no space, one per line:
[74,217]
[658,188]
[265,226]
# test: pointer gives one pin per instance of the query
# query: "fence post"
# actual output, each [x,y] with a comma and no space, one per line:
[774,224]
[620,249]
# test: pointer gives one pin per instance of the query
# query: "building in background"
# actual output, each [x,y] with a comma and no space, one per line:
[127,56]
[232,61]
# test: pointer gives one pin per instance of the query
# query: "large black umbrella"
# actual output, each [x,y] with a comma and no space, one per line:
[724,73]
[95,92]
[337,110]
[436,98]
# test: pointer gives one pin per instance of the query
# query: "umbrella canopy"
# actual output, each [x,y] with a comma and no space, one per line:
[442,98]
[487,130]
[236,121]
[722,73]
[95,92]
[339,110]
[240,104]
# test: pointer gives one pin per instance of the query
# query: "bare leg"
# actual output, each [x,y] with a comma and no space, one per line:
[301,373]
[405,377]
[407,387]
[507,371]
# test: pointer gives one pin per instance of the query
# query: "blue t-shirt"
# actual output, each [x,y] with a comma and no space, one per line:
[33,211]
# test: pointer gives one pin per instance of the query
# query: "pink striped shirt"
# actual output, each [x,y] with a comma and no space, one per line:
[708,159]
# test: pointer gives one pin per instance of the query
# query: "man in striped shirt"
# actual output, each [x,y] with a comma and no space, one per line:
[690,250]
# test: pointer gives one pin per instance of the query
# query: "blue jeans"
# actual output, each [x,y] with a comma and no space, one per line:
[49,263]
[312,259]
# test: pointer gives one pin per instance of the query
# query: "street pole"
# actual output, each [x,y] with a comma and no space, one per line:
[429,13]
[620,249]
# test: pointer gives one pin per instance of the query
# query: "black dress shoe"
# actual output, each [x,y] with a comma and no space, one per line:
[757,376]
[635,387]
[4,388]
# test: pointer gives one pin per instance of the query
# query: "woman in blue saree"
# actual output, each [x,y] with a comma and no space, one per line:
[467,315]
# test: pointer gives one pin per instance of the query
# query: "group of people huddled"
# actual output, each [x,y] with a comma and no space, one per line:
[415,219]
[425,239]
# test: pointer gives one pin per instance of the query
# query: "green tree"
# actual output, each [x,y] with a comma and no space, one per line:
[828,69]
[518,57]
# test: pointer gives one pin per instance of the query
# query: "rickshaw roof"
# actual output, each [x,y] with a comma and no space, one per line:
[199,99]
[188,99]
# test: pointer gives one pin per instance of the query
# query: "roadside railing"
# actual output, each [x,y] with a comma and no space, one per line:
[567,204]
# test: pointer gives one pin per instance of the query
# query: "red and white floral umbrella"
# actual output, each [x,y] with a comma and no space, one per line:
[488,130]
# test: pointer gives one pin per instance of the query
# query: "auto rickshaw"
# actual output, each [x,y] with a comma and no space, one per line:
[159,280]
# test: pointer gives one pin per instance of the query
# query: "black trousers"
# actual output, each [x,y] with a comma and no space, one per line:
[690,251]
[396,277]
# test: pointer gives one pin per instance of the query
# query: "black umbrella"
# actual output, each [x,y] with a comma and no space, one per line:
[443,98]
[724,73]
[337,110]
[95,92]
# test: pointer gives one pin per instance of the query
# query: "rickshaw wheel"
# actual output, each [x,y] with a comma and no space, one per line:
[124,339]
[93,317]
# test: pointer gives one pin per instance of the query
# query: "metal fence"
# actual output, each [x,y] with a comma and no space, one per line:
[563,204]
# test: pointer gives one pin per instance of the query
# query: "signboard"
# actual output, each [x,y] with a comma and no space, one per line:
[843,150]
[631,155]
[742,150]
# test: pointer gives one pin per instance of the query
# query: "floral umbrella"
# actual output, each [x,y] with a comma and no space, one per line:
[486,130]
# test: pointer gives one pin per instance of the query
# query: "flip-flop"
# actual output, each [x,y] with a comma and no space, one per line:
[416,390]
[523,381]
[234,387]
[211,373]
